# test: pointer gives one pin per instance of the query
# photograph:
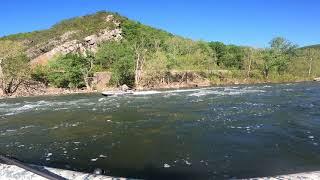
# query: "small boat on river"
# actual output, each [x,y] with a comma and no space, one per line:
[123,90]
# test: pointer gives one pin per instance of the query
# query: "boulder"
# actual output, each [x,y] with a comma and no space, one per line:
[91,40]
[124,88]
[317,79]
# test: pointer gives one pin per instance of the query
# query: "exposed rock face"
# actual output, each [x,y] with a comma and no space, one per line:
[63,47]
[67,35]
[48,46]
[91,42]
[41,48]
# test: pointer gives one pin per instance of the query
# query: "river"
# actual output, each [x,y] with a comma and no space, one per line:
[210,133]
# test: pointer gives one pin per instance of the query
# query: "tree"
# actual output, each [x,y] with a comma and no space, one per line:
[70,71]
[14,69]
[282,51]
[156,69]
[278,56]
[249,54]
[87,70]
[119,58]
[219,50]
[233,57]
[140,57]
[227,56]
[282,45]
[309,56]
[268,62]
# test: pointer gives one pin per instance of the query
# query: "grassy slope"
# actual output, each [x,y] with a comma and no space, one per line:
[85,26]
[316,46]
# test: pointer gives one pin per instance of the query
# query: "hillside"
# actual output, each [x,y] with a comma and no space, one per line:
[316,46]
[72,33]
[107,50]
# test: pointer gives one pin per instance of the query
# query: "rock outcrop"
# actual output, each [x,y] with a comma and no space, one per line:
[62,47]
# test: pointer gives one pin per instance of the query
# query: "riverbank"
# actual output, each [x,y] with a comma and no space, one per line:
[48,92]
[51,91]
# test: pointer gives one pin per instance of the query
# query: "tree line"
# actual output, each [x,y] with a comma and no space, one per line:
[146,56]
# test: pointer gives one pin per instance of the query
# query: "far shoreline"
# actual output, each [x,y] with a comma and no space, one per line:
[55,92]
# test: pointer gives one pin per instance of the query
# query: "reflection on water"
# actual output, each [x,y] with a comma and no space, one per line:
[222,132]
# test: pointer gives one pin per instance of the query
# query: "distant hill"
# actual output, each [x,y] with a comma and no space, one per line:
[77,52]
[316,46]
[64,32]
[83,34]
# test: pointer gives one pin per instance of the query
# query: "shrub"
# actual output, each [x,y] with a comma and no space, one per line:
[40,73]
[68,71]
[119,59]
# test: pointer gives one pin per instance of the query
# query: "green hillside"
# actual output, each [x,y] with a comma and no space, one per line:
[147,57]
[85,26]
[316,46]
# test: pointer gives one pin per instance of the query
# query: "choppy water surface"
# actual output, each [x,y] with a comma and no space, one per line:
[220,132]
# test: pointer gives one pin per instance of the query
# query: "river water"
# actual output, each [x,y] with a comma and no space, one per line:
[210,133]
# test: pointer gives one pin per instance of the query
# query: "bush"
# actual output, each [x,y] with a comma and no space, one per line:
[119,59]
[40,73]
[14,67]
[123,72]
[68,71]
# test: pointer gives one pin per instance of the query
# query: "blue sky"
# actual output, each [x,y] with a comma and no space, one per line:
[241,22]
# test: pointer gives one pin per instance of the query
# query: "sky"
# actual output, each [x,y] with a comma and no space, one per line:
[240,22]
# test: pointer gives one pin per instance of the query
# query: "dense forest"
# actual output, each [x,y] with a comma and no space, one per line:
[150,58]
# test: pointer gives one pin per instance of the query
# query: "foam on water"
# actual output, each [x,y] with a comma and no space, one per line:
[168,92]
[113,103]
[185,90]
[147,92]
[7,109]
[225,91]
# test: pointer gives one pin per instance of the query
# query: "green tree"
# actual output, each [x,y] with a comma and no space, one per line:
[119,58]
[278,56]
[220,50]
[156,69]
[227,56]
[282,52]
[70,71]
[249,60]
[268,62]
[310,55]
[233,57]
[14,69]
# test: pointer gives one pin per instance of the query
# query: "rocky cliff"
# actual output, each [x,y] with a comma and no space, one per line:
[40,55]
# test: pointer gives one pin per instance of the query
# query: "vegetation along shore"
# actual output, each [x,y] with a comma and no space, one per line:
[106,50]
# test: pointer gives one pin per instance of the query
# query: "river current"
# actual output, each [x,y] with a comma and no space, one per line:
[209,133]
